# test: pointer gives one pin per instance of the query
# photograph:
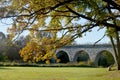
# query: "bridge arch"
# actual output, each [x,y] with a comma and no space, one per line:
[81,56]
[104,58]
[63,56]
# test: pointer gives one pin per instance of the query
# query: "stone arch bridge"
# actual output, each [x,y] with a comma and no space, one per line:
[72,53]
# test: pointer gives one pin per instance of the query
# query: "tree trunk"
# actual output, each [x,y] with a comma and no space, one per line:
[118,50]
[118,64]
[114,47]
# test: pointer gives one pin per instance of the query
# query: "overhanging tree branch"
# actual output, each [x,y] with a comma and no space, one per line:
[114,4]
[104,22]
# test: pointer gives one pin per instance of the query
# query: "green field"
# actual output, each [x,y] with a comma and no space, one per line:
[57,73]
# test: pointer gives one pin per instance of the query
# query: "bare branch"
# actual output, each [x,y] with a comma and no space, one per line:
[99,39]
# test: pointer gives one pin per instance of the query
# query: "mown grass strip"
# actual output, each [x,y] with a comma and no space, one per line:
[54,73]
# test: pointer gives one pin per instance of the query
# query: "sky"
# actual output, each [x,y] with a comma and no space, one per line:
[87,38]
[93,36]
[3,27]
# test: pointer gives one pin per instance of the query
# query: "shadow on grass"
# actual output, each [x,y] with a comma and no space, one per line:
[4,68]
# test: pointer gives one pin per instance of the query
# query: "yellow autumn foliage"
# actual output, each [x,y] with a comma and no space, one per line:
[38,50]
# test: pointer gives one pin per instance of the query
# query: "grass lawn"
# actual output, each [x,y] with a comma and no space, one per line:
[57,73]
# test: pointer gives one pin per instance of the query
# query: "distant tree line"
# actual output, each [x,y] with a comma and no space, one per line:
[9,50]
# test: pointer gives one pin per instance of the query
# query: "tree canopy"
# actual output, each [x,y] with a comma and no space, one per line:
[62,17]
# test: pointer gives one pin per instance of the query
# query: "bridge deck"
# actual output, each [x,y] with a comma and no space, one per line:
[89,46]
